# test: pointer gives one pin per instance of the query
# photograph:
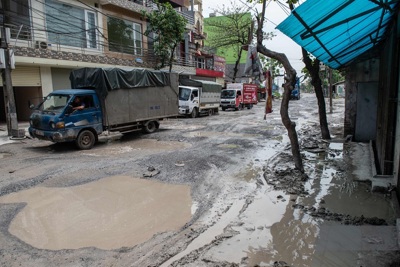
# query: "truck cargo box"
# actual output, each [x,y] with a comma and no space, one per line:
[130,95]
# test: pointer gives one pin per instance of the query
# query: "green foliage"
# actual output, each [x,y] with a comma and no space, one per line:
[276,94]
[121,31]
[228,33]
[336,77]
[168,28]
[271,64]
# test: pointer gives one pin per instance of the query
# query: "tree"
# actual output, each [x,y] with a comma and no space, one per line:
[231,30]
[290,80]
[168,28]
[312,67]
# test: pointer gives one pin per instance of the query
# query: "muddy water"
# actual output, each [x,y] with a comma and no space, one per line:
[110,213]
[217,134]
[345,195]
[139,145]
[270,229]
[4,155]
[255,239]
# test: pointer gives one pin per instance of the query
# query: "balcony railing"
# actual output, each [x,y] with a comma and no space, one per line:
[146,5]
[36,45]
[189,16]
[29,42]
[134,5]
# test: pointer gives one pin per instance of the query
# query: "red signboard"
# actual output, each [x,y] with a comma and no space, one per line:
[209,73]
[250,93]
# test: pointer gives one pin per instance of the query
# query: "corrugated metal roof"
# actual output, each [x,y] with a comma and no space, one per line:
[338,31]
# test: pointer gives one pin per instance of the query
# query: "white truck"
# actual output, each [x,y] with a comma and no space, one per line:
[197,97]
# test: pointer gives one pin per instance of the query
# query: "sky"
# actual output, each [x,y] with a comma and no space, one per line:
[275,14]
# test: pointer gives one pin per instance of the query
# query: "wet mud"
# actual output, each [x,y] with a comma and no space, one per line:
[110,213]
[235,198]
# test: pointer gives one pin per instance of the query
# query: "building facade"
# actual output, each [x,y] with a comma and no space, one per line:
[49,38]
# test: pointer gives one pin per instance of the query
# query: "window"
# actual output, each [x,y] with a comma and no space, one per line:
[90,26]
[16,14]
[70,25]
[124,36]
[200,63]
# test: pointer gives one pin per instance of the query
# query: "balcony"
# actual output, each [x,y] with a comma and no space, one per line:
[210,65]
[35,47]
[189,16]
[133,5]
[149,6]
[176,3]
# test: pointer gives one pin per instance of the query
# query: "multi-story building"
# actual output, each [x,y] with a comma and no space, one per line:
[49,38]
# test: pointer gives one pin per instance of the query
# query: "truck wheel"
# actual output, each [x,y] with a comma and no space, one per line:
[223,109]
[210,112]
[194,113]
[150,126]
[85,140]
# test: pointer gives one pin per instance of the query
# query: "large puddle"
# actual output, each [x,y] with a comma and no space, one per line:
[270,229]
[110,213]
[218,134]
[140,146]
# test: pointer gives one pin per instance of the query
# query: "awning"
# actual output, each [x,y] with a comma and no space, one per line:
[337,32]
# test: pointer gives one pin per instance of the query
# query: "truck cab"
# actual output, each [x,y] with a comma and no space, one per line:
[231,98]
[238,96]
[197,97]
[188,101]
[55,120]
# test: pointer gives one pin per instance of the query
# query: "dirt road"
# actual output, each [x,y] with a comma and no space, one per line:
[212,191]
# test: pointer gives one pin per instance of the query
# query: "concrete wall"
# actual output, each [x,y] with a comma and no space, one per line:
[365,73]
[377,80]
[60,78]
[367,106]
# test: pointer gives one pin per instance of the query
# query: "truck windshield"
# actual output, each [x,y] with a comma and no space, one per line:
[184,93]
[228,94]
[55,103]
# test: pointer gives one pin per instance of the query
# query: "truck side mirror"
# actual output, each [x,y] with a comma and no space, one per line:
[192,97]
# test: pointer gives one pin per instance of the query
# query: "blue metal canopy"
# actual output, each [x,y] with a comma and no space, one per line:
[338,31]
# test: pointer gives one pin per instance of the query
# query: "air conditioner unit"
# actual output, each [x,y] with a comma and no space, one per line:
[42,45]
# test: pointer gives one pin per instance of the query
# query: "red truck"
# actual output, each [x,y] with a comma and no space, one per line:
[238,96]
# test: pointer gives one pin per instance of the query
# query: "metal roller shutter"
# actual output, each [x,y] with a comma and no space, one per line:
[25,76]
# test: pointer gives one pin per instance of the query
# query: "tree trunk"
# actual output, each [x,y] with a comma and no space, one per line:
[316,82]
[171,58]
[235,69]
[290,80]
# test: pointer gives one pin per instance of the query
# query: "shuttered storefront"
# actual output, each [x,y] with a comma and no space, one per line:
[27,83]
[25,76]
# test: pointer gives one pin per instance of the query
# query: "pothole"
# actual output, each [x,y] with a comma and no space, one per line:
[5,155]
[110,213]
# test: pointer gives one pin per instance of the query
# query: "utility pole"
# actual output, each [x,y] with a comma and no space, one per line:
[9,100]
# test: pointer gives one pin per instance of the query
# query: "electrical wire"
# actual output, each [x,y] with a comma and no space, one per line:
[40,15]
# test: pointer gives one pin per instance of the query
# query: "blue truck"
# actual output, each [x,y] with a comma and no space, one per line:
[115,100]
[295,94]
